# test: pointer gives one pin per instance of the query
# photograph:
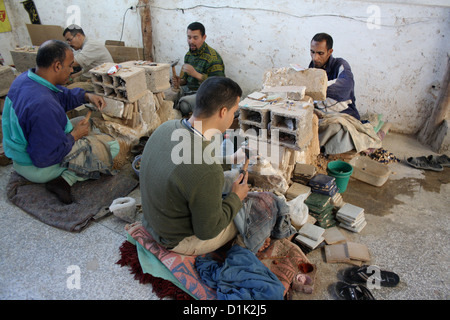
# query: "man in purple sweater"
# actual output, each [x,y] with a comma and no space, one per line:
[37,133]
[341,85]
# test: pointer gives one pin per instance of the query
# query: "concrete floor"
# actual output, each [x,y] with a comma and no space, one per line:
[407,232]
[407,228]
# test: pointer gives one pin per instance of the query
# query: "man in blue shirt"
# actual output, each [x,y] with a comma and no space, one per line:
[341,85]
[37,133]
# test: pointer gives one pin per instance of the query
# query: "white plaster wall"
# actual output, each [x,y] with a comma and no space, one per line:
[394,66]
[99,19]
[398,65]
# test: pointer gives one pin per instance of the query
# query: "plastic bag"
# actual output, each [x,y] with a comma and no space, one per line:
[298,211]
[124,208]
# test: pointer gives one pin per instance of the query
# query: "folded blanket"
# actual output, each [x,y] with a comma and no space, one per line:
[89,197]
[240,277]
[340,133]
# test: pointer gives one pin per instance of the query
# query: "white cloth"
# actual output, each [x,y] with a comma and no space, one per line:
[341,132]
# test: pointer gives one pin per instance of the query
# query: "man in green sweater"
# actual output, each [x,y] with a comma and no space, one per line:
[200,62]
[182,181]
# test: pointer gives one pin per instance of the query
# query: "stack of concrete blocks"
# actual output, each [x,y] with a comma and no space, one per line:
[132,109]
[122,90]
[289,120]
[254,121]
[292,121]
[157,75]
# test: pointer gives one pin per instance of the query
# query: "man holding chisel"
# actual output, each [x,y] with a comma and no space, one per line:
[37,134]
[181,190]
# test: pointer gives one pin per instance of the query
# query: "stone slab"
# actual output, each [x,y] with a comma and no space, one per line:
[315,80]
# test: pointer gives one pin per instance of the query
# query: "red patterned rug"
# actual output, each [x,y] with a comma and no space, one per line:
[282,257]
[162,288]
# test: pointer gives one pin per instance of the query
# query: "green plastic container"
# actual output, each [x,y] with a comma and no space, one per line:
[341,171]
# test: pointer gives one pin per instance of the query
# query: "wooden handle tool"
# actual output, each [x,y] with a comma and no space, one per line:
[88,115]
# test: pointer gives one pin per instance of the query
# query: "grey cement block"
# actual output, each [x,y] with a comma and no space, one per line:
[127,84]
[292,123]
[157,75]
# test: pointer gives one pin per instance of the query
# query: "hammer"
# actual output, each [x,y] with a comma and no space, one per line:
[90,109]
[173,64]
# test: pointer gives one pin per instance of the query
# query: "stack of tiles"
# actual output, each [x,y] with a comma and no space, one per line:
[347,252]
[351,217]
[323,184]
[337,200]
[303,173]
[297,189]
[310,235]
[321,209]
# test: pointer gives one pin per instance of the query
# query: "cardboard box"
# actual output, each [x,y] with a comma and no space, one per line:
[39,33]
[122,54]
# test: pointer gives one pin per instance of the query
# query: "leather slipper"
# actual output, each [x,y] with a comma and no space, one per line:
[423,163]
[442,160]
[346,291]
[367,273]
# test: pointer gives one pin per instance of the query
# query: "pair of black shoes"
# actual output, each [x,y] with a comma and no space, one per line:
[356,277]
[61,189]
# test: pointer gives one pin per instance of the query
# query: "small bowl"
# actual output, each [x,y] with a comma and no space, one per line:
[137,164]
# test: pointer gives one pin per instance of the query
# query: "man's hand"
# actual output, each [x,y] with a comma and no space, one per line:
[187,68]
[98,101]
[241,187]
[81,129]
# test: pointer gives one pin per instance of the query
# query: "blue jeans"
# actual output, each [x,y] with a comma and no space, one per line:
[43,175]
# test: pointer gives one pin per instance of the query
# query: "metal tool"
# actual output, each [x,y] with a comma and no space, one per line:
[91,108]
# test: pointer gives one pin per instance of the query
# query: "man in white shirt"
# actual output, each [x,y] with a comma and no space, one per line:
[88,53]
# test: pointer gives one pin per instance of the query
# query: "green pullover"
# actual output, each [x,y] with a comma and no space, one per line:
[183,199]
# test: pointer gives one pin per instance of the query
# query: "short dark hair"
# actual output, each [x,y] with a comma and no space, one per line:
[324,37]
[74,30]
[215,93]
[197,26]
[51,51]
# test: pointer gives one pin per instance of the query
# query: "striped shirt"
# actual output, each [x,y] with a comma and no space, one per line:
[206,61]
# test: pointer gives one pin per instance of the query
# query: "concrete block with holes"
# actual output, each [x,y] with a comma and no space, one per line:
[157,75]
[291,124]
[128,84]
